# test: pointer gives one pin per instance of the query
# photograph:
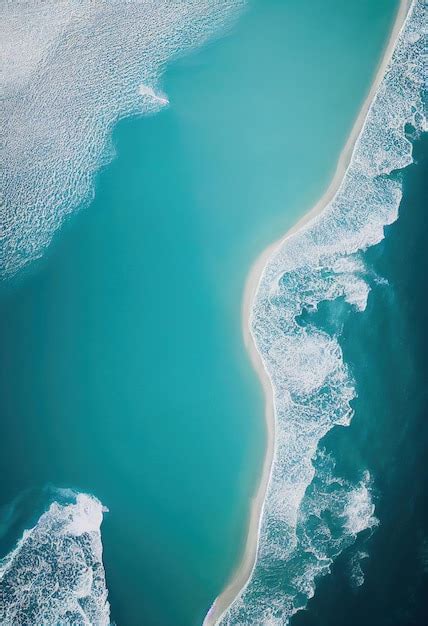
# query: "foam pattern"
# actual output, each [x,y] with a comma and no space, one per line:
[309,516]
[55,575]
[71,70]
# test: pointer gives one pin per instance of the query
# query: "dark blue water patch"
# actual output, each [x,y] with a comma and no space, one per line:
[329,316]
[387,349]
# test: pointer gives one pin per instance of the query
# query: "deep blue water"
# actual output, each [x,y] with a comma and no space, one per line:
[387,347]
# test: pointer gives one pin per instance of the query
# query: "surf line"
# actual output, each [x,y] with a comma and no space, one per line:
[242,575]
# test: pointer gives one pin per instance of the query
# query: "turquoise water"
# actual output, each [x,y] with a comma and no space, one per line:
[123,369]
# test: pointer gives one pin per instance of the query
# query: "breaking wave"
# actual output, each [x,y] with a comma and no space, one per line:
[55,574]
[310,515]
[71,70]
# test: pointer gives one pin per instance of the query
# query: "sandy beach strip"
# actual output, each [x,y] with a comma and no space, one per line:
[242,574]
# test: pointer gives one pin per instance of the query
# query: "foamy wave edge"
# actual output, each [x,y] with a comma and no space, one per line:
[70,71]
[312,385]
[55,574]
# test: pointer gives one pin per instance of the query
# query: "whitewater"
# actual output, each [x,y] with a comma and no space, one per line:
[55,574]
[310,515]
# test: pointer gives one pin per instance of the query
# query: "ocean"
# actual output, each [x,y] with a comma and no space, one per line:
[124,373]
[387,350]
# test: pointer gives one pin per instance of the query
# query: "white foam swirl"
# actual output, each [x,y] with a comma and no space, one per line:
[312,384]
[71,69]
[55,574]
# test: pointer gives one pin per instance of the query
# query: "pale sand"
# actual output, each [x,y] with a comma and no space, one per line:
[243,573]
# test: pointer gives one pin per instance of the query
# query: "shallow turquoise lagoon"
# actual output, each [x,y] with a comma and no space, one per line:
[123,368]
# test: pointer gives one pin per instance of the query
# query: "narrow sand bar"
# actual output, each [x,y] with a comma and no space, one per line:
[244,570]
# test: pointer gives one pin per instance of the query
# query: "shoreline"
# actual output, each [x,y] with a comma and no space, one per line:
[242,573]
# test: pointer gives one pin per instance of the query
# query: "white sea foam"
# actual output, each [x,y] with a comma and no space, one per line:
[145,90]
[55,574]
[309,515]
[359,509]
[71,69]
[356,570]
